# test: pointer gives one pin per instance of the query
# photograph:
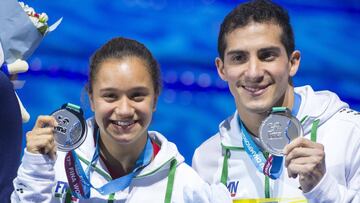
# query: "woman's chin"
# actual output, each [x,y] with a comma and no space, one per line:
[123,138]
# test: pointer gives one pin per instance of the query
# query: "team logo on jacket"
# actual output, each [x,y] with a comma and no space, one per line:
[232,186]
[60,188]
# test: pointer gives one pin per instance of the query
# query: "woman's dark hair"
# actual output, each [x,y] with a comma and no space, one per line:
[119,48]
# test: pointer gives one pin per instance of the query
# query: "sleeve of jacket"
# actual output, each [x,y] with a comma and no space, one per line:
[35,179]
[330,190]
[215,193]
[194,163]
[195,189]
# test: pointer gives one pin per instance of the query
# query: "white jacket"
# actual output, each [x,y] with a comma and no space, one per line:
[338,131]
[43,180]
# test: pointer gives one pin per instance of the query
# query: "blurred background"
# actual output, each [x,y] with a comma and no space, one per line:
[182,35]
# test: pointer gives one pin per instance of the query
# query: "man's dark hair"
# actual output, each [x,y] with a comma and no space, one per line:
[259,11]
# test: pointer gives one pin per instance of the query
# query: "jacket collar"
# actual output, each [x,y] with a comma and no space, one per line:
[168,151]
[230,133]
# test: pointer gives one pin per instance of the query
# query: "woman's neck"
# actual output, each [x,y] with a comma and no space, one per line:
[120,159]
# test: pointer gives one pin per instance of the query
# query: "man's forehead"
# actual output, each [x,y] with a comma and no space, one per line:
[254,36]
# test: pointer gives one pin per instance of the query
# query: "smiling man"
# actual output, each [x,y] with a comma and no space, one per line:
[320,159]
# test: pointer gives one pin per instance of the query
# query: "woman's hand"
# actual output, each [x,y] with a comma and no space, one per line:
[40,140]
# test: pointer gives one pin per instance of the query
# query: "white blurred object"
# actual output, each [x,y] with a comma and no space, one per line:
[1,55]
[25,116]
[18,66]
[18,84]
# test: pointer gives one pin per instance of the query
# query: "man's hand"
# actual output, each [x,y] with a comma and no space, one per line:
[306,159]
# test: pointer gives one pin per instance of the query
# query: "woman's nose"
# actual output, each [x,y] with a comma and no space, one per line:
[124,108]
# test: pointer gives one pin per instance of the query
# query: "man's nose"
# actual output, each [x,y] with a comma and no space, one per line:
[254,71]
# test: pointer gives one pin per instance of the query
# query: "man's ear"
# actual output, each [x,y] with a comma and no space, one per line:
[294,62]
[220,68]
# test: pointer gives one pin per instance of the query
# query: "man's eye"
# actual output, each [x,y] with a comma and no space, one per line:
[268,56]
[239,58]
[109,95]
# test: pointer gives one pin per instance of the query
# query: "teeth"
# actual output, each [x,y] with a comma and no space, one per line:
[124,123]
[252,89]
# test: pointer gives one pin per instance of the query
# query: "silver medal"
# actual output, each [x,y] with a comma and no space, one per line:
[278,130]
[70,132]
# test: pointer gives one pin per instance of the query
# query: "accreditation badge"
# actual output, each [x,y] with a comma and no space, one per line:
[71,130]
[278,130]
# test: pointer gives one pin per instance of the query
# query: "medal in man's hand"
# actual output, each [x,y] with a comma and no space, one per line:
[278,130]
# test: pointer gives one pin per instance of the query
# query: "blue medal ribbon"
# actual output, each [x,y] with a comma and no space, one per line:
[271,166]
[79,181]
[296,106]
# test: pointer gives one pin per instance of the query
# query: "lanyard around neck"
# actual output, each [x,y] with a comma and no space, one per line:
[270,166]
[227,150]
[297,102]
[79,180]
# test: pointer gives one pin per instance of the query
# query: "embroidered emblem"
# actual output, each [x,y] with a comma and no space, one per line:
[20,187]
[20,190]
[60,188]
[232,187]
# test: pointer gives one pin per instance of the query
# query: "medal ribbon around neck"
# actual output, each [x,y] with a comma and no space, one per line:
[270,166]
[79,180]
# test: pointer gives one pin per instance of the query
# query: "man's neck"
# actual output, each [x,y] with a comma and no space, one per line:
[253,120]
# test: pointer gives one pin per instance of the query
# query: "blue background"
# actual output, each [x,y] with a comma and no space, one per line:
[183,37]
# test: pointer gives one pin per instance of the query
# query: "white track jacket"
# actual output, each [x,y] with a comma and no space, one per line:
[43,180]
[338,131]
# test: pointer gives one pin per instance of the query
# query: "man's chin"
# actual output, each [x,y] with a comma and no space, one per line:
[259,108]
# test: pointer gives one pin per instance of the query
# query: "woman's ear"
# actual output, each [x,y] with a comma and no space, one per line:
[155,102]
[91,100]
[294,62]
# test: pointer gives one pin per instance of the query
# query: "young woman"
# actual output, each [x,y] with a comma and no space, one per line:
[120,158]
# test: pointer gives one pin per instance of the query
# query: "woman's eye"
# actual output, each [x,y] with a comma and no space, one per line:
[109,96]
[138,97]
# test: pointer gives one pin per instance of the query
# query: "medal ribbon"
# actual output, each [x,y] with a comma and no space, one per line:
[79,180]
[270,166]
